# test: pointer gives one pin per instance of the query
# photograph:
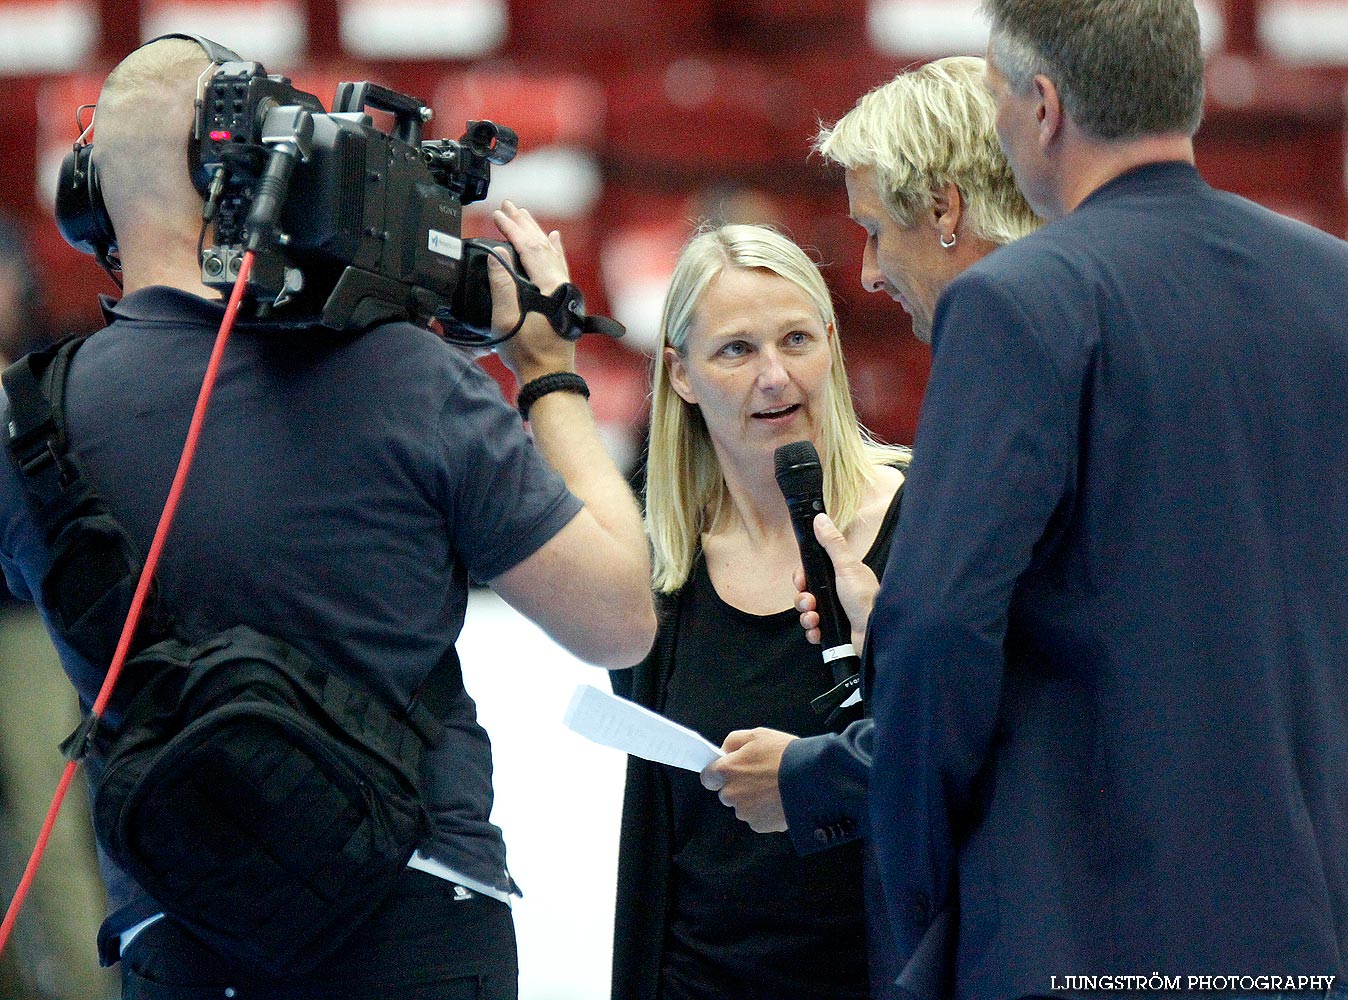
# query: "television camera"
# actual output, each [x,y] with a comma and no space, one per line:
[348,223]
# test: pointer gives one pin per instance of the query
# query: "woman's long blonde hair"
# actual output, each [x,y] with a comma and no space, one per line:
[686,493]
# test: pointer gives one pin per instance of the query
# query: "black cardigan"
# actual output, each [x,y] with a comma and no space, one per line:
[641,918]
[642,911]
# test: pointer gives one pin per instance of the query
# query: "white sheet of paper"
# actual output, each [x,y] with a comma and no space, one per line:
[615,722]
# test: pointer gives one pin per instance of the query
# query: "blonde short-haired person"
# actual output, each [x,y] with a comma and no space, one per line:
[927,182]
[750,360]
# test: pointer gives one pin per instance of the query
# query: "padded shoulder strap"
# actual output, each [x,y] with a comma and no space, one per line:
[94,566]
[36,438]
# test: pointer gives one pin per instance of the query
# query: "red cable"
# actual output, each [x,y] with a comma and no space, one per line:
[142,589]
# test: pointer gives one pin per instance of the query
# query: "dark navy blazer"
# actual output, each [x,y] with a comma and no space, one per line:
[1111,647]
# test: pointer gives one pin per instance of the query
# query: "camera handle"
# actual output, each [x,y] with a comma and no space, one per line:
[289,132]
[564,309]
[409,114]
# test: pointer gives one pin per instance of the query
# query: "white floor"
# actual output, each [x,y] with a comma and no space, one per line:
[558,799]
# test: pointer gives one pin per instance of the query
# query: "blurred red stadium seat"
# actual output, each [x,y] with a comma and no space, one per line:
[265,31]
[547,108]
[888,374]
[1305,32]
[702,116]
[636,261]
[422,29]
[832,87]
[1276,134]
[778,26]
[559,118]
[926,29]
[18,151]
[606,37]
[46,36]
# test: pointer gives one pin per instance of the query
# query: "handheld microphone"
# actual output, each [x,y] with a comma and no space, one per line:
[801,480]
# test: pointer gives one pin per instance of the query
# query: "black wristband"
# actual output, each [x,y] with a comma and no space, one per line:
[531,392]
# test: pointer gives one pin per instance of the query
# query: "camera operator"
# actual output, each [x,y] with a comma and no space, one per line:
[345,489]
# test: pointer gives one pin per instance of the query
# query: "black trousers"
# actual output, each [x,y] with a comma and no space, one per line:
[422,944]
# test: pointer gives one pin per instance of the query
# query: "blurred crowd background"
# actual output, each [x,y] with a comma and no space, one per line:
[636,121]
[638,118]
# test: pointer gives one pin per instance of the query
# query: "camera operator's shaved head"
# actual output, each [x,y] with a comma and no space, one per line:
[141,130]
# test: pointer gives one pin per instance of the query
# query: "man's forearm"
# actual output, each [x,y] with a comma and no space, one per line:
[566,436]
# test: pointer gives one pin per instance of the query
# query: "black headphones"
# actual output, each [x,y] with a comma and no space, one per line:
[80,214]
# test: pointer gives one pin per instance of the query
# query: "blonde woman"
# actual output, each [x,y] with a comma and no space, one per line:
[750,360]
[929,185]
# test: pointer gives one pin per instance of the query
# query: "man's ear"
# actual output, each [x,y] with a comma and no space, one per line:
[947,208]
[1049,111]
[678,375]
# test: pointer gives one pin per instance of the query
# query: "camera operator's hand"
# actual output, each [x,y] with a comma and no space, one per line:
[589,585]
[537,349]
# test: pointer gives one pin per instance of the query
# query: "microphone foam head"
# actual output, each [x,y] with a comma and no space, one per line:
[798,471]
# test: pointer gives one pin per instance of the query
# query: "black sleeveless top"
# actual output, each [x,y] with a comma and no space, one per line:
[748,916]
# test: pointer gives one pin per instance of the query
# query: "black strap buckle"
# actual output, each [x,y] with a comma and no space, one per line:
[33,460]
[45,474]
[77,745]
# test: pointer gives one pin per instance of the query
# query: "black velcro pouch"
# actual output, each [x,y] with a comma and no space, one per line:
[265,803]
[89,585]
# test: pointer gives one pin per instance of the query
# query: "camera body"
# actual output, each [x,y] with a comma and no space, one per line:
[349,225]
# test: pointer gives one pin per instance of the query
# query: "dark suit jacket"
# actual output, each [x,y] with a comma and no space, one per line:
[1111,647]
[824,782]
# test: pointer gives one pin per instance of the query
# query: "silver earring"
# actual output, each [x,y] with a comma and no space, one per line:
[951,244]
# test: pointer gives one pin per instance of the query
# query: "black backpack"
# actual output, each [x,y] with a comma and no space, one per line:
[266,803]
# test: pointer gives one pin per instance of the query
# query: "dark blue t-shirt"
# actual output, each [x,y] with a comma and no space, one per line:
[344,490]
